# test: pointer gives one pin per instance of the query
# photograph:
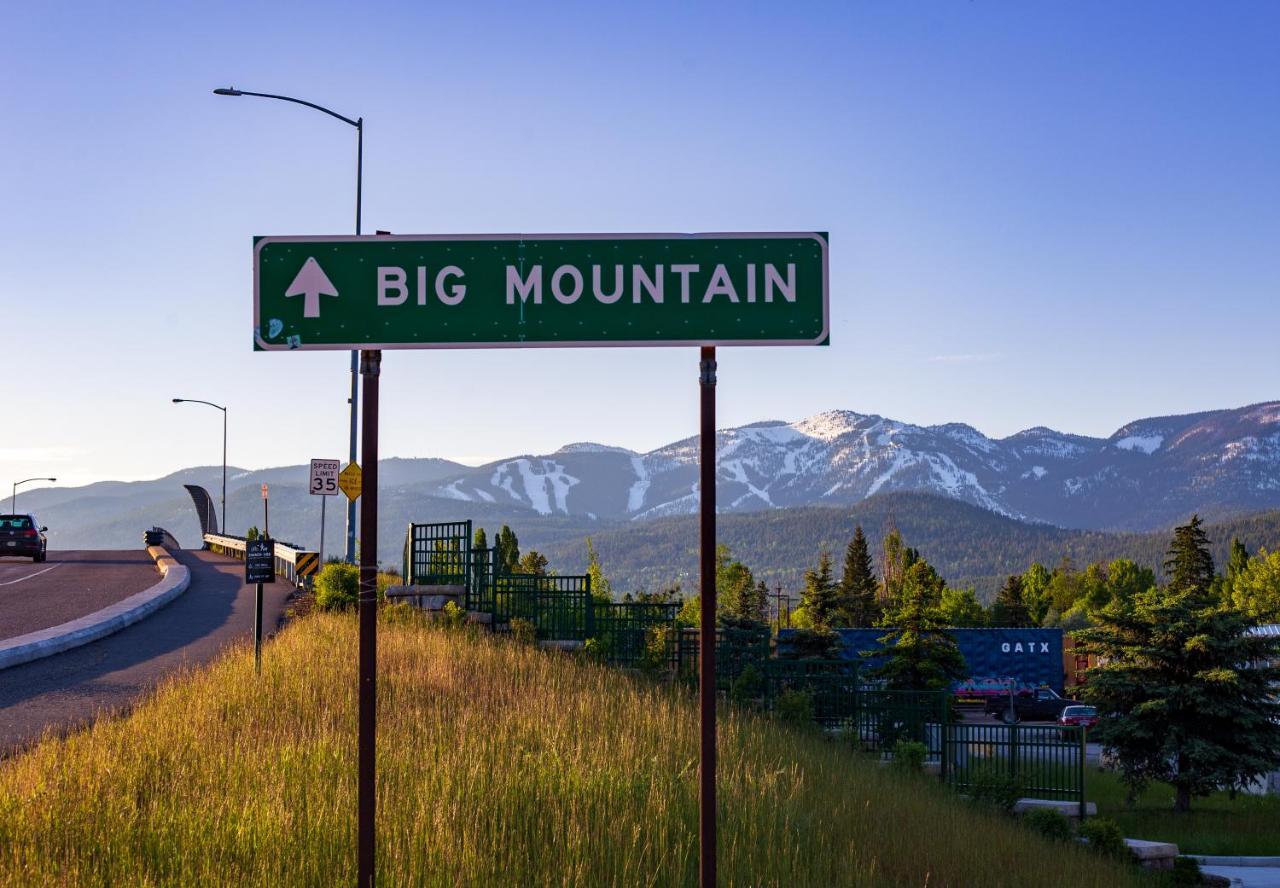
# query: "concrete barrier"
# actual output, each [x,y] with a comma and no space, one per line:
[174,579]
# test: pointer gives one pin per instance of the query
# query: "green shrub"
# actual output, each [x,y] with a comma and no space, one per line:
[399,613]
[337,586]
[909,755]
[1104,836]
[748,686]
[656,658]
[994,786]
[1050,824]
[794,707]
[452,616]
[596,649]
[524,631]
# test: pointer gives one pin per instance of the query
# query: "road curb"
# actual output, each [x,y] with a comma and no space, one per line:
[174,580]
[1207,860]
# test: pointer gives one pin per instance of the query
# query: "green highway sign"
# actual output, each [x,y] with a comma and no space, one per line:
[539,290]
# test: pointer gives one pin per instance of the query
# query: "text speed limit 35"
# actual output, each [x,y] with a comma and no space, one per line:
[324,477]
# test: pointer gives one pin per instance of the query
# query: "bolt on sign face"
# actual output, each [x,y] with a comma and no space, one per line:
[513,291]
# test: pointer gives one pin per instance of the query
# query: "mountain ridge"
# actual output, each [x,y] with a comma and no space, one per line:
[1149,474]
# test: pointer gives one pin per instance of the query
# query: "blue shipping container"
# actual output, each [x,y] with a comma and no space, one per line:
[1032,657]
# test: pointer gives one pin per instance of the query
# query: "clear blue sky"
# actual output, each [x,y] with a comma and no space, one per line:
[1040,214]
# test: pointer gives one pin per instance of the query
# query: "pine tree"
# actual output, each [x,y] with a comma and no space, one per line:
[533,563]
[1035,591]
[1189,566]
[858,605]
[601,588]
[820,599]
[918,652]
[1237,563]
[508,550]
[755,604]
[1009,609]
[1184,690]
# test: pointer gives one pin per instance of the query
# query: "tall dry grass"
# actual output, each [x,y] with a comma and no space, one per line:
[498,765]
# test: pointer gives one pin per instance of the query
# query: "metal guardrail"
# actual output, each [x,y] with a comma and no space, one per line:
[295,564]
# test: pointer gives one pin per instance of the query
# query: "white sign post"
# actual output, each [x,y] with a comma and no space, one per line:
[324,484]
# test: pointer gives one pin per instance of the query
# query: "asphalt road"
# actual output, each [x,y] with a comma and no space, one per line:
[68,690]
[69,585]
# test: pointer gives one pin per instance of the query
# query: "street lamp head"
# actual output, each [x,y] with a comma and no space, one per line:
[177,400]
[227,91]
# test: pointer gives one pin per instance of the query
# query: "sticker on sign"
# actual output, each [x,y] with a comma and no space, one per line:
[540,290]
[324,477]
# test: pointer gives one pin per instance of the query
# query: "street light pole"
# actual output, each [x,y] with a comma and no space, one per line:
[225,529]
[13,500]
[354,398]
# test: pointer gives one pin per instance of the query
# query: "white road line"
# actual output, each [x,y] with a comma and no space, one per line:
[29,576]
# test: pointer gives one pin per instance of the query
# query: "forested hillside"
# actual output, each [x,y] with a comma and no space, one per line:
[968,545]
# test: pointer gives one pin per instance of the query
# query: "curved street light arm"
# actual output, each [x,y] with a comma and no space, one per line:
[241,92]
[198,401]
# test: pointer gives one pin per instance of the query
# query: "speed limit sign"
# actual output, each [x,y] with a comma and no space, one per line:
[324,477]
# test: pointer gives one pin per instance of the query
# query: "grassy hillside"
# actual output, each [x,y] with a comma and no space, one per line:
[498,764]
[967,544]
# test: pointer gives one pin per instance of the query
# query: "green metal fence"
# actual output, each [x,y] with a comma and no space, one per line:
[437,554]
[626,630]
[736,649]
[1044,761]
[882,718]
[560,608]
[832,686]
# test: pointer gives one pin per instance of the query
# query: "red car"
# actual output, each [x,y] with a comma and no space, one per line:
[1086,716]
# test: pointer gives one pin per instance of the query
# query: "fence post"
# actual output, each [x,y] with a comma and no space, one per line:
[1013,750]
[944,728]
[1083,751]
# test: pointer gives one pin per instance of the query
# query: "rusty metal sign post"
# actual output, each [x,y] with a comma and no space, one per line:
[522,291]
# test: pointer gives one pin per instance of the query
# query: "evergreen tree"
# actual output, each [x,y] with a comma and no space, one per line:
[735,589]
[1009,609]
[601,588]
[918,652]
[755,603]
[858,605]
[820,599]
[508,550]
[1238,560]
[533,563]
[1185,692]
[1237,563]
[1035,591]
[479,540]
[1189,566]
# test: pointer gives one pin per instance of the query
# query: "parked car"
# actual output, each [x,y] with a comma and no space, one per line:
[1085,716]
[22,535]
[1041,704]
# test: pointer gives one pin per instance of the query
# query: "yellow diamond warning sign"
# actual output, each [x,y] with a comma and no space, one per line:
[349,481]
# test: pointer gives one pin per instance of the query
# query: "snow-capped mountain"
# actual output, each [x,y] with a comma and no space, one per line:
[1148,474]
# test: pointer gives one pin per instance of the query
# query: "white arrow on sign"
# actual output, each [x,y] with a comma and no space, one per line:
[311,283]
